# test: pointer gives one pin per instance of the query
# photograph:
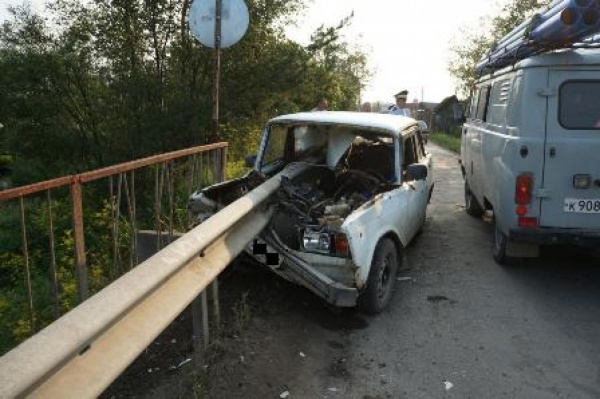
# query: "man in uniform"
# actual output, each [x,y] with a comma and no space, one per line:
[400,108]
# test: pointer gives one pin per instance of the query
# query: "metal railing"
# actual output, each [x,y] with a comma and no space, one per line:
[80,354]
[55,273]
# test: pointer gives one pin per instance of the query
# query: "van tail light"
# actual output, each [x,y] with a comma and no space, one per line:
[524,188]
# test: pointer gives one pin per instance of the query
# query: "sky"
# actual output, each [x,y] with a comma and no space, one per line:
[407,41]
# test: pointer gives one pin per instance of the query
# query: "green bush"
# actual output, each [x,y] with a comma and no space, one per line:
[448,141]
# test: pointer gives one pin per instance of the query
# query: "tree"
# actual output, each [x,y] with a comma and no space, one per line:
[473,44]
[123,79]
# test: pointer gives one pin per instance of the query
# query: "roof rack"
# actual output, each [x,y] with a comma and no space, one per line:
[564,24]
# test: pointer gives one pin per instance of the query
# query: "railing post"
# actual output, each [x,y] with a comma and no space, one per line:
[26,270]
[53,273]
[80,258]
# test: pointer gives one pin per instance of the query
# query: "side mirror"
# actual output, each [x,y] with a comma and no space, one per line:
[251,160]
[416,171]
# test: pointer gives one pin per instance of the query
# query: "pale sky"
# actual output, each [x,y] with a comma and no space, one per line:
[407,41]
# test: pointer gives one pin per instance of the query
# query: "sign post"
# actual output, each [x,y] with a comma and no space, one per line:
[218,24]
[217,80]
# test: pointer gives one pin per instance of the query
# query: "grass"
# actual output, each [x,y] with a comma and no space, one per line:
[448,141]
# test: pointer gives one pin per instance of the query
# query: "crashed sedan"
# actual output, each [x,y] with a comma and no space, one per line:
[353,192]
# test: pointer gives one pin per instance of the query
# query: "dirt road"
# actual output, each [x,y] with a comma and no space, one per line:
[458,326]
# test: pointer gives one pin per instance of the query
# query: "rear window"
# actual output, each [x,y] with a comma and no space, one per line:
[579,105]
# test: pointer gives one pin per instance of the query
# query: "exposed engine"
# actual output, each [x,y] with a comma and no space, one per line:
[312,209]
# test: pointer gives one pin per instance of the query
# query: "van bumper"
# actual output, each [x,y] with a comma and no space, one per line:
[552,236]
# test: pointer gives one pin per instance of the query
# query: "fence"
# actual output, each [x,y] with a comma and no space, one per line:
[79,233]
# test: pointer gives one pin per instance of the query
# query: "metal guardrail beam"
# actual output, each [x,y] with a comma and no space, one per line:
[81,353]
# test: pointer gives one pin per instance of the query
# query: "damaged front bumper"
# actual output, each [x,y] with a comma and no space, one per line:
[296,269]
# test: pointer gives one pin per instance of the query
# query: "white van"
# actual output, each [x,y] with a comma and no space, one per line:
[530,152]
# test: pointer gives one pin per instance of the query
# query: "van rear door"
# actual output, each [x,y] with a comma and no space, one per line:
[571,181]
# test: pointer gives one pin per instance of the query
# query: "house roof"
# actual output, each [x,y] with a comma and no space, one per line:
[445,102]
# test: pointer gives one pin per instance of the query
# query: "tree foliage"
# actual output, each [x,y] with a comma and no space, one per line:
[100,82]
[473,43]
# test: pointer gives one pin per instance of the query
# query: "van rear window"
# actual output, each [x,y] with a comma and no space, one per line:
[579,105]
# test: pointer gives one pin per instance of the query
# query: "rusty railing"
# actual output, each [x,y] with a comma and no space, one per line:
[58,271]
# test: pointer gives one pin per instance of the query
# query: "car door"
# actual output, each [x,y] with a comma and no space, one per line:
[571,181]
[412,152]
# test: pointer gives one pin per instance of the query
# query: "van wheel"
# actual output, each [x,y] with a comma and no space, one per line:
[471,205]
[499,248]
[382,278]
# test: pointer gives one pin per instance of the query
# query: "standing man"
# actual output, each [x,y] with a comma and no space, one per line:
[400,108]
[321,105]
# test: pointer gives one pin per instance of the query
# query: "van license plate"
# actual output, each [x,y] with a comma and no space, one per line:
[578,205]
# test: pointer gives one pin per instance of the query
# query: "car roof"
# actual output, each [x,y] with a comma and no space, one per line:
[393,125]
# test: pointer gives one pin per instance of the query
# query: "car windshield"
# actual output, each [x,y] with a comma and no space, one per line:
[319,144]
[295,143]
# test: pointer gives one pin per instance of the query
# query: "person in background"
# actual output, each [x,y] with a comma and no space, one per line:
[366,107]
[321,105]
[400,108]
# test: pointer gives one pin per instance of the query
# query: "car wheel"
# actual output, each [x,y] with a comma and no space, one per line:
[471,205]
[382,278]
[499,248]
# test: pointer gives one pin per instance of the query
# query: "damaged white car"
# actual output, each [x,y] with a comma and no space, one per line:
[353,192]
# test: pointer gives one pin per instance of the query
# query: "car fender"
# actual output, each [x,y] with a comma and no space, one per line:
[365,229]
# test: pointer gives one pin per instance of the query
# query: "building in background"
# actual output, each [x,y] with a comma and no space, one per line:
[448,115]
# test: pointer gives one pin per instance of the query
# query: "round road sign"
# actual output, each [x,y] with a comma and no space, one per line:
[234,21]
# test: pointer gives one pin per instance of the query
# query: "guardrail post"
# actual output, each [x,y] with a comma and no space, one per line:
[200,325]
[216,305]
[80,258]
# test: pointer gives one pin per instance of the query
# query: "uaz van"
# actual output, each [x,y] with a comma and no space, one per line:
[530,152]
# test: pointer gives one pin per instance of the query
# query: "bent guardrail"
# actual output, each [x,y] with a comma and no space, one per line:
[81,353]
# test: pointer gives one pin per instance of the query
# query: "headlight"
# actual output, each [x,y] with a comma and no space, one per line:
[325,242]
[316,241]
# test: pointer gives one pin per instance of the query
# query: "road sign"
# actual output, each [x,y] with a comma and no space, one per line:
[234,21]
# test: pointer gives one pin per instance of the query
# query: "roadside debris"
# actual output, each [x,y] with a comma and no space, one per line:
[302,354]
[284,394]
[448,385]
[404,279]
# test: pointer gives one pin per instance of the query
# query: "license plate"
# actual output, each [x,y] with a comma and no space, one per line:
[578,205]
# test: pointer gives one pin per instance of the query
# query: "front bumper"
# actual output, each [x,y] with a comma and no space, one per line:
[301,272]
[557,236]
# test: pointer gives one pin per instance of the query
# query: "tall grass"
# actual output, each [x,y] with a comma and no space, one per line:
[446,140]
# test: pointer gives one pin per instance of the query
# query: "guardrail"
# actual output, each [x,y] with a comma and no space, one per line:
[82,352]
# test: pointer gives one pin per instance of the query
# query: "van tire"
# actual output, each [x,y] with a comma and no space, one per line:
[499,248]
[471,205]
[382,278]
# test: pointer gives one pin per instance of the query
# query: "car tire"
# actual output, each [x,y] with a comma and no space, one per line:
[382,278]
[499,248]
[471,205]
